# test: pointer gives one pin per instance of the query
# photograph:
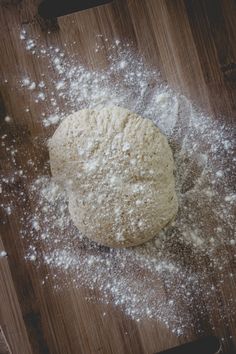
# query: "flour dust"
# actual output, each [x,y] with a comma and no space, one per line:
[163,278]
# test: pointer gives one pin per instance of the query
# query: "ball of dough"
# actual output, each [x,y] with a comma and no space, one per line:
[117,169]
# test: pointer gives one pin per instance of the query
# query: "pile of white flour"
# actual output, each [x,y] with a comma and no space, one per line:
[163,278]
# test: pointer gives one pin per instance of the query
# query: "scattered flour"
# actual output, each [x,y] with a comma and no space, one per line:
[3,254]
[7,119]
[163,278]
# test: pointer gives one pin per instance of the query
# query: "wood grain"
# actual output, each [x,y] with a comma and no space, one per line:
[4,347]
[192,42]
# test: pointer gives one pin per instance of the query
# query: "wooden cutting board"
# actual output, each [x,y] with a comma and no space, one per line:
[193,43]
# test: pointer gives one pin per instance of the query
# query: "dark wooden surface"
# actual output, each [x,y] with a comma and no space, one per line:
[193,43]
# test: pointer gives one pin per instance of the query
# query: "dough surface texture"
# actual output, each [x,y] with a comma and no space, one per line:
[117,169]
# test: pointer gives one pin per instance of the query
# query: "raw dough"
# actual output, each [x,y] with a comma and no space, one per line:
[117,169]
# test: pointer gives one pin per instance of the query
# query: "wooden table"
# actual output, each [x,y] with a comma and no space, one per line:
[193,43]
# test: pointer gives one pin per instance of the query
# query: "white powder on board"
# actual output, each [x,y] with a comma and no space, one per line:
[3,254]
[163,278]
